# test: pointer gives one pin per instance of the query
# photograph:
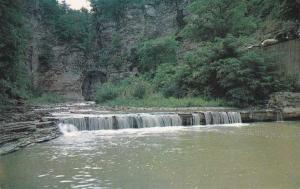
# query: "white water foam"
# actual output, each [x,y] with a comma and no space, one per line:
[67,129]
[91,122]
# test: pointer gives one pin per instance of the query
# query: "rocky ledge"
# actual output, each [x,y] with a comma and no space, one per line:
[22,127]
[283,100]
[269,115]
[282,106]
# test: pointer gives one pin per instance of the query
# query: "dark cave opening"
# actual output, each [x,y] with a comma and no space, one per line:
[91,81]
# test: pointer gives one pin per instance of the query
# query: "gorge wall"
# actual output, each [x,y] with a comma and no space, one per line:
[288,57]
[152,20]
[149,21]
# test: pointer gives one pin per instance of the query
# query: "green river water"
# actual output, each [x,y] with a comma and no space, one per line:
[262,155]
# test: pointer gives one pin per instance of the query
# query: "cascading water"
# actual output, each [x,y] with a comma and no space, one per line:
[208,118]
[107,122]
[215,118]
[279,116]
[127,121]
[196,119]
[234,117]
[67,129]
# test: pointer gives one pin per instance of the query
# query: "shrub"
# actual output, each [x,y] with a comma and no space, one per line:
[139,91]
[156,100]
[156,52]
[169,80]
[217,18]
[46,98]
[223,69]
[135,87]
[106,92]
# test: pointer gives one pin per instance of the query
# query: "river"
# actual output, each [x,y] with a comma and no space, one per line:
[260,155]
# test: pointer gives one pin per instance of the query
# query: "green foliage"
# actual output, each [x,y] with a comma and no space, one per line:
[135,87]
[217,18]
[69,26]
[219,67]
[112,9]
[13,76]
[156,52]
[156,100]
[46,57]
[139,91]
[223,69]
[116,41]
[130,88]
[50,12]
[106,92]
[74,26]
[46,98]
[273,9]
[168,80]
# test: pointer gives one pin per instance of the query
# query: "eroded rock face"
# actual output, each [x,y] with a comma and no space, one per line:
[138,23]
[283,100]
[20,128]
[57,74]
[90,83]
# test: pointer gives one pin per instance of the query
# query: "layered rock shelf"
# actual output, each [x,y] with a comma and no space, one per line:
[251,116]
[18,130]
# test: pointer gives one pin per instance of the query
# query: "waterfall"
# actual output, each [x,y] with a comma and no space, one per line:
[234,117]
[67,128]
[216,118]
[147,120]
[208,118]
[225,118]
[279,116]
[125,121]
[78,122]
[196,119]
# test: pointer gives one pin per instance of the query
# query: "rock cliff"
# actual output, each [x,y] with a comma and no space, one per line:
[149,21]
[21,127]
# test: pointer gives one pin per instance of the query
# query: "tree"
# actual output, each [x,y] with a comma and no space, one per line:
[12,50]
[112,9]
[217,18]
[156,52]
[223,69]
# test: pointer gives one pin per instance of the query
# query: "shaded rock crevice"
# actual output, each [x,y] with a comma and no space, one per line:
[91,81]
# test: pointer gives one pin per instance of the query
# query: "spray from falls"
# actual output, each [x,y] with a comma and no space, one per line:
[67,129]
[135,121]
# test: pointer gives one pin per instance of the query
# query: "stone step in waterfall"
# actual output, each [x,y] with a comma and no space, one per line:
[126,121]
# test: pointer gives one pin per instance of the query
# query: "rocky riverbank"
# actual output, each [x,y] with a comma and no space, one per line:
[22,126]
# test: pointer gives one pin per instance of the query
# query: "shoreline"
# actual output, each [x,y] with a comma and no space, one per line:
[24,126]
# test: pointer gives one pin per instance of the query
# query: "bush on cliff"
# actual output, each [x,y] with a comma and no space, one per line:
[46,98]
[223,69]
[106,92]
[130,88]
[153,53]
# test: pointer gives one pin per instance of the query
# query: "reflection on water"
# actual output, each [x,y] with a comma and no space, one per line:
[255,156]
